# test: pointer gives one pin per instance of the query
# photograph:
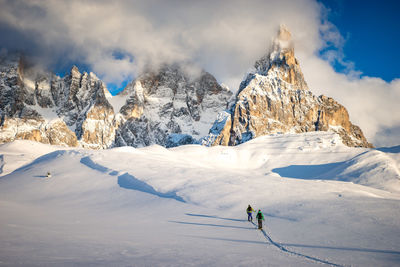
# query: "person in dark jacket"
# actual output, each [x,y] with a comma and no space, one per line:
[250,211]
[260,218]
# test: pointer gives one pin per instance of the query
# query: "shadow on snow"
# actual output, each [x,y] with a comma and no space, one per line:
[128,181]
[213,225]
[393,149]
[310,172]
[93,165]
[281,246]
[394,252]
[229,239]
[44,158]
[214,217]
[239,220]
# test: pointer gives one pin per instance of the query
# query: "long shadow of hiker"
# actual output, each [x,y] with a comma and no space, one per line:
[213,225]
[215,217]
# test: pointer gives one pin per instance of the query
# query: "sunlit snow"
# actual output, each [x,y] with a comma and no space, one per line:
[324,204]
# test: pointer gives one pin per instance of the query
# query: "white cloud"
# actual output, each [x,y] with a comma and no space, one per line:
[117,39]
[224,37]
[372,103]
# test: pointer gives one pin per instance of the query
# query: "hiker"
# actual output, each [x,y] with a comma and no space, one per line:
[250,213]
[260,218]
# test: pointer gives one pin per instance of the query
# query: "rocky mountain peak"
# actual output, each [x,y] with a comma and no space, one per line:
[75,71]
[274,98]
[280,48]
[280,61]
[168,107]
[165,106]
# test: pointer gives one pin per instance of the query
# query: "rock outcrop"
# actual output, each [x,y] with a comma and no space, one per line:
[165,107]
[274,98]
[169,108]
[43,107]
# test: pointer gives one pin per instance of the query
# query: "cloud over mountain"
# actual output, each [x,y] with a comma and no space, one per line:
[118,39]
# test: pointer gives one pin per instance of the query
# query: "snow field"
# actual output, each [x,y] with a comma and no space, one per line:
[186,206]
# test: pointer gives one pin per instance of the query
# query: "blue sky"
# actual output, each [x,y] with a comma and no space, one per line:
[372,35]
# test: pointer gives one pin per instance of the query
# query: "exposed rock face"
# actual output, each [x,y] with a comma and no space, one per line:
[164,107]
[46,108]
[55,132]
[59,134]
[167,106]
[275,98]
[98,128]
[13,95]
[82,102]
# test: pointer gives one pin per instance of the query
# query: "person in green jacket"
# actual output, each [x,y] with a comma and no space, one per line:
[260,218]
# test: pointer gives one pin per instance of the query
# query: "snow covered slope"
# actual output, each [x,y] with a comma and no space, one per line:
[324,203]
[21,152]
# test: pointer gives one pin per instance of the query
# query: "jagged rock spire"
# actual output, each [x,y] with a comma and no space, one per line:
[281,60]
[275,99]
[282,43]
[169,108]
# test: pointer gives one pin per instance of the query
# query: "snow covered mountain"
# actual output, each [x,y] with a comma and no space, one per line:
[43,107]
[274,98]
[169,108]
[165,107]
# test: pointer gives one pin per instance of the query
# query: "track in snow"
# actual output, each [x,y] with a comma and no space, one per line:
[282,248]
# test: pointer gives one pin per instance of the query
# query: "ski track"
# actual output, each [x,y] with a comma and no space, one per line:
[282,248]
[89,163]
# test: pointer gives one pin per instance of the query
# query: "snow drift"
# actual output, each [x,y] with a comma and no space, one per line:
[324,203]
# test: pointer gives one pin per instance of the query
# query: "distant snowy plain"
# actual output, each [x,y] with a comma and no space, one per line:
[324,204]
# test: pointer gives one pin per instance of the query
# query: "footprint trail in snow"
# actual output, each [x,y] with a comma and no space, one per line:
[282,248]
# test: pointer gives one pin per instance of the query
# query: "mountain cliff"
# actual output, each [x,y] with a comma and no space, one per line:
[169,108]
[23,103]
[164,106]
[274,98]
[40,106]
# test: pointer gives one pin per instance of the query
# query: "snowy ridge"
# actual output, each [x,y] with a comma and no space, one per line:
[157,206]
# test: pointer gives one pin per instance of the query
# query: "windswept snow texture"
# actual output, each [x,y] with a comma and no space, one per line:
[324,204]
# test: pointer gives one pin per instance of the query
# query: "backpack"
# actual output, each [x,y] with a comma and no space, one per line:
[259,215]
